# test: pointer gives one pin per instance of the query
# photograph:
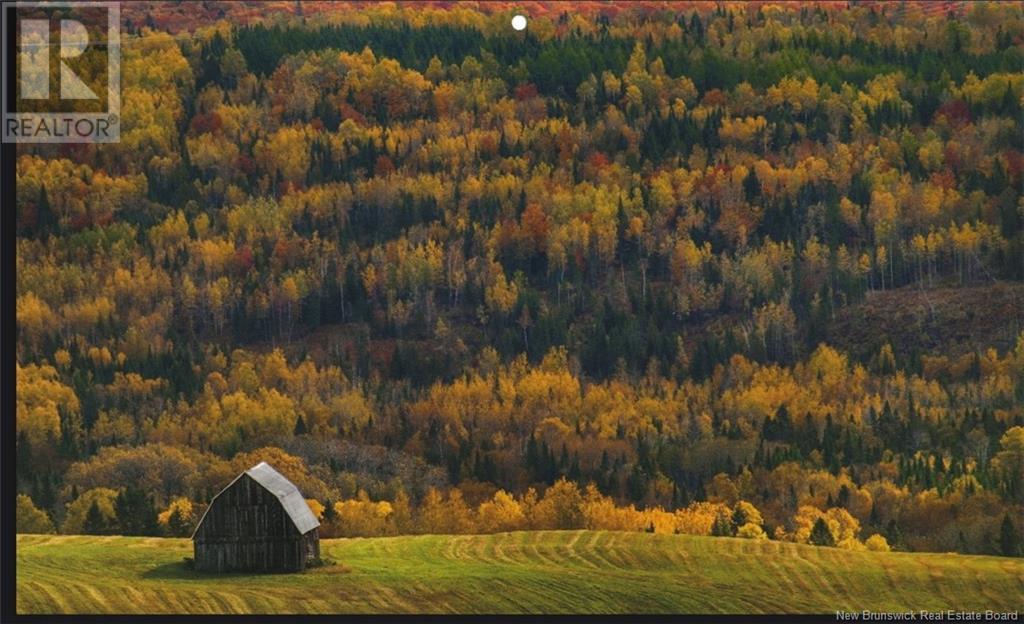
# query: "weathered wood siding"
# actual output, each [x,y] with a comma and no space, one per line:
[247,529]
[312,545]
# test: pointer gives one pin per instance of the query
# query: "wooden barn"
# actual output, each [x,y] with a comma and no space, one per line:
[259,523]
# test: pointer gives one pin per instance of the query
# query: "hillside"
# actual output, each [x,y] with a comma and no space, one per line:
[696,268]
[522,572]
[954,320]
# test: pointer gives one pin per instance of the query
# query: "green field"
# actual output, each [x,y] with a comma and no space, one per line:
[524,572]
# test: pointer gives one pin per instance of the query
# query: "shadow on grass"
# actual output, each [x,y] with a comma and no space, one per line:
[179,570]
[174,570]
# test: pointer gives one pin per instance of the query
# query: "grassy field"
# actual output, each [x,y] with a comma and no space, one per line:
[525,572]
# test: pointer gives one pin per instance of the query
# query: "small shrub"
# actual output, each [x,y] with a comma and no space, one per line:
[751,531]
[877,543]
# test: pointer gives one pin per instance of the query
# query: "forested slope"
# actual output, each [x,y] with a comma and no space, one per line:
[429,267]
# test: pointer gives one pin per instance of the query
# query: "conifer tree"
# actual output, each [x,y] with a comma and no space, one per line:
[95,523]
[821,535]
[1009,538]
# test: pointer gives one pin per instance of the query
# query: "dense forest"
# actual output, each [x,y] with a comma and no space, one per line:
[753,270]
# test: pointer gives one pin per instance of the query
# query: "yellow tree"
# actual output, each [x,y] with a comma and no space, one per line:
[561,507]
[431,517]
[501,294]
[30,519]
[75,522]
[1010,460]
[41,400]
[501,513]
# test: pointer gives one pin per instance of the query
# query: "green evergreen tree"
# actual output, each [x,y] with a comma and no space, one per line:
[95,522]
[23,454]
[136,513]
[722,526]
[46,220]
[821,535]
[961,542]
[176,524]
[893,534]
[739,517]
[1009,538]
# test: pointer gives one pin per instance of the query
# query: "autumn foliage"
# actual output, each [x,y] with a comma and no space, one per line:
[452,278]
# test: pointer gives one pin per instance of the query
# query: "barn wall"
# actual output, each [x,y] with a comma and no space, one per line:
[312,545]
[264,556]
[246,528]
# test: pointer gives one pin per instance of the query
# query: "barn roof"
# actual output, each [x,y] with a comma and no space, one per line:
[285,491]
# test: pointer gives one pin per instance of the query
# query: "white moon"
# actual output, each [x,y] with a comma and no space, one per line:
[519,22]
